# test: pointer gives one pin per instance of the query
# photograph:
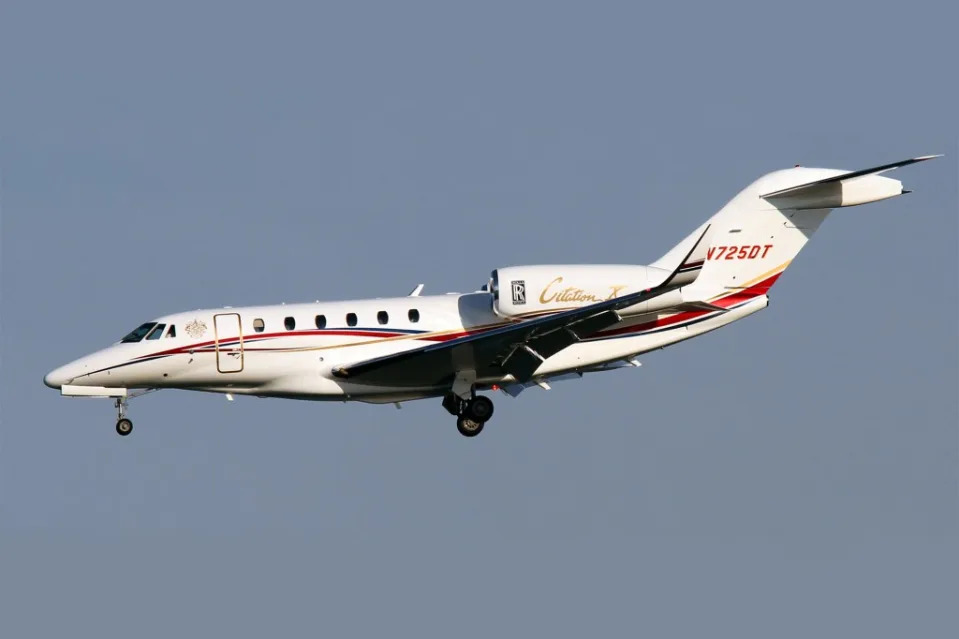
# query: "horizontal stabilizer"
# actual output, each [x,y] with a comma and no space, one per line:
[797,190]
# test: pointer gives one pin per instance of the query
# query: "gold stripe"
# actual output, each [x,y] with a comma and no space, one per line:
[427,336]
[760,278]
[420,336]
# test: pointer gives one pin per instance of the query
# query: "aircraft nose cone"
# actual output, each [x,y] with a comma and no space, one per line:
[57,377]
[53,379]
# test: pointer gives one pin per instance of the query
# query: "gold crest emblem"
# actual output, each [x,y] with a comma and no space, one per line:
[195,329]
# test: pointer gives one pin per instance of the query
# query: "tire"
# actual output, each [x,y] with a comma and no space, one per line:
[124,427]
[479,409]
[468,427]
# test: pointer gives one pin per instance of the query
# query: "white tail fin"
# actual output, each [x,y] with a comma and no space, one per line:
[688,267]
[760,231]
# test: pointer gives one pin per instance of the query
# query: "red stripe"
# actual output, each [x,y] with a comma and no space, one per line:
[256,337]
[734,298]
[760,288]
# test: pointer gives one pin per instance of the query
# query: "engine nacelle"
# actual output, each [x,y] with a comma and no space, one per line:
[522,291]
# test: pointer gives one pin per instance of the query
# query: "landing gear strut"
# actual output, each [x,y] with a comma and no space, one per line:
[471,414]
[124,425]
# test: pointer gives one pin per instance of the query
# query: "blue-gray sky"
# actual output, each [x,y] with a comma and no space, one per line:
[792,475]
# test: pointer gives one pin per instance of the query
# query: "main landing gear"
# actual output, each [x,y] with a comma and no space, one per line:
[124,425]
[471,414]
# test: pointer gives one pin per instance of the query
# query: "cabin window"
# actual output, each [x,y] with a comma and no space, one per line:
[172,331]
[351,319]
[321,321]
[137,334]
[414,316]
[258,325]
[383,317]
[289,323]
[156,332]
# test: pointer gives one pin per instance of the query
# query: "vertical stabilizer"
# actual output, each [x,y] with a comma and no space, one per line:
[755,237]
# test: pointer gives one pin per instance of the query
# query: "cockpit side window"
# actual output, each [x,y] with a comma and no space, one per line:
[172,331]
[137,334]
[157,331]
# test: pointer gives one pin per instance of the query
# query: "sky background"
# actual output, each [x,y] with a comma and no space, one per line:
[792,475]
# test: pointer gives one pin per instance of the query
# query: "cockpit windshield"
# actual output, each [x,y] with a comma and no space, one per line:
[137,334]
[157,332]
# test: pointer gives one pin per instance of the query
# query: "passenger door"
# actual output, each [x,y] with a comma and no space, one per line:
[228,333]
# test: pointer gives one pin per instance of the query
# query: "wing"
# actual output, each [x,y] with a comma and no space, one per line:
[517,349]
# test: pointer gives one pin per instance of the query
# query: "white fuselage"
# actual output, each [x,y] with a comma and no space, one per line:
[251,350]
[306,351]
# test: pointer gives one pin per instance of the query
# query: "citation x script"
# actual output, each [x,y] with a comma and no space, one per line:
[528,326]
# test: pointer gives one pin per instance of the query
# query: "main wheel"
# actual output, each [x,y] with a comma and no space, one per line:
[468,427]
[479,409]
[124,427]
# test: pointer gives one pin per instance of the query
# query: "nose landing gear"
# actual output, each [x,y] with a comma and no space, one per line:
[124,425]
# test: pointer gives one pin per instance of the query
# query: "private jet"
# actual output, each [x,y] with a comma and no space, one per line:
[528,326]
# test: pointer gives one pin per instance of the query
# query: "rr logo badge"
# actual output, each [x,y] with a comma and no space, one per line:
[519,291]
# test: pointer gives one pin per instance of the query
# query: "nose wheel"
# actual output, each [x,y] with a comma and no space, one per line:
[124,425]
[471,414]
